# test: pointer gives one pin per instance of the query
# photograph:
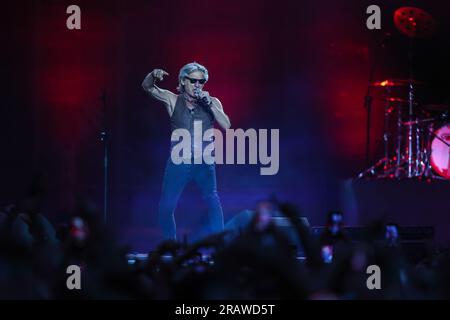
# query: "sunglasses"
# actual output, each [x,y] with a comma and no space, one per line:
[191,80]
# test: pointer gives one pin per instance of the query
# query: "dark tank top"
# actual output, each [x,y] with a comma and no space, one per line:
[183,118]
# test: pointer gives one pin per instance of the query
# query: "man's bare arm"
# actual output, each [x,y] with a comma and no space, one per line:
[149,85]
[222,119]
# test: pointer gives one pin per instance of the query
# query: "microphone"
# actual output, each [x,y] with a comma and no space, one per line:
[197,93]
[203,100]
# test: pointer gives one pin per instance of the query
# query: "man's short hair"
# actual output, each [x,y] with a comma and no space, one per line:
[189,68]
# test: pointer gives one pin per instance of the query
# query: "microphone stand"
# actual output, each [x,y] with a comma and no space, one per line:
[104,138]
[368,106]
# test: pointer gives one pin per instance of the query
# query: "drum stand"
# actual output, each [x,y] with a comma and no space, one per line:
[413,155]
[409,163]
[386,162]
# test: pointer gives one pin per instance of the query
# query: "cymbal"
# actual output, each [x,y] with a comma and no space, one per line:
[394,99]
[414,22]
[408,123]
[397,100]
[395,82]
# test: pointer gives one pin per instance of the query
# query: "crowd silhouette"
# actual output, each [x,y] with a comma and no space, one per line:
[259,261]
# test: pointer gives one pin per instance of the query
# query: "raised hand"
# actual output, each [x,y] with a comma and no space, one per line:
[159,74]
[149,80]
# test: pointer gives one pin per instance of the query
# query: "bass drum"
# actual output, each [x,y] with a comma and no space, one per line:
[440,152]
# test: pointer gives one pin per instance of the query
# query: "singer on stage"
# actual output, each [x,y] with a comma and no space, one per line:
[191,104]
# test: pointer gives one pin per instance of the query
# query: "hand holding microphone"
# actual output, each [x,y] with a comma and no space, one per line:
[203,96]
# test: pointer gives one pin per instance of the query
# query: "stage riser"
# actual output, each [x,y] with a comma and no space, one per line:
[405,202]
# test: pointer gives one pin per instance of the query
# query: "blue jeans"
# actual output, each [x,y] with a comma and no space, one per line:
[175,179]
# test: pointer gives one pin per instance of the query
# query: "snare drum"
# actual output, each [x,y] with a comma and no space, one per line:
[440,152]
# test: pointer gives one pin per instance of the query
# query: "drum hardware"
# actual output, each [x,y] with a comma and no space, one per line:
[413,157]
[404,162]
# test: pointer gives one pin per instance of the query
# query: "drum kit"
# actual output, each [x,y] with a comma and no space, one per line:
[416,137]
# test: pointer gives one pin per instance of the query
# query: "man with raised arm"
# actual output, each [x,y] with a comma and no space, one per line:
[192,104]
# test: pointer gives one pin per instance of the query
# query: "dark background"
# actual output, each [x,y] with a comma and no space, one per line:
[298,66]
